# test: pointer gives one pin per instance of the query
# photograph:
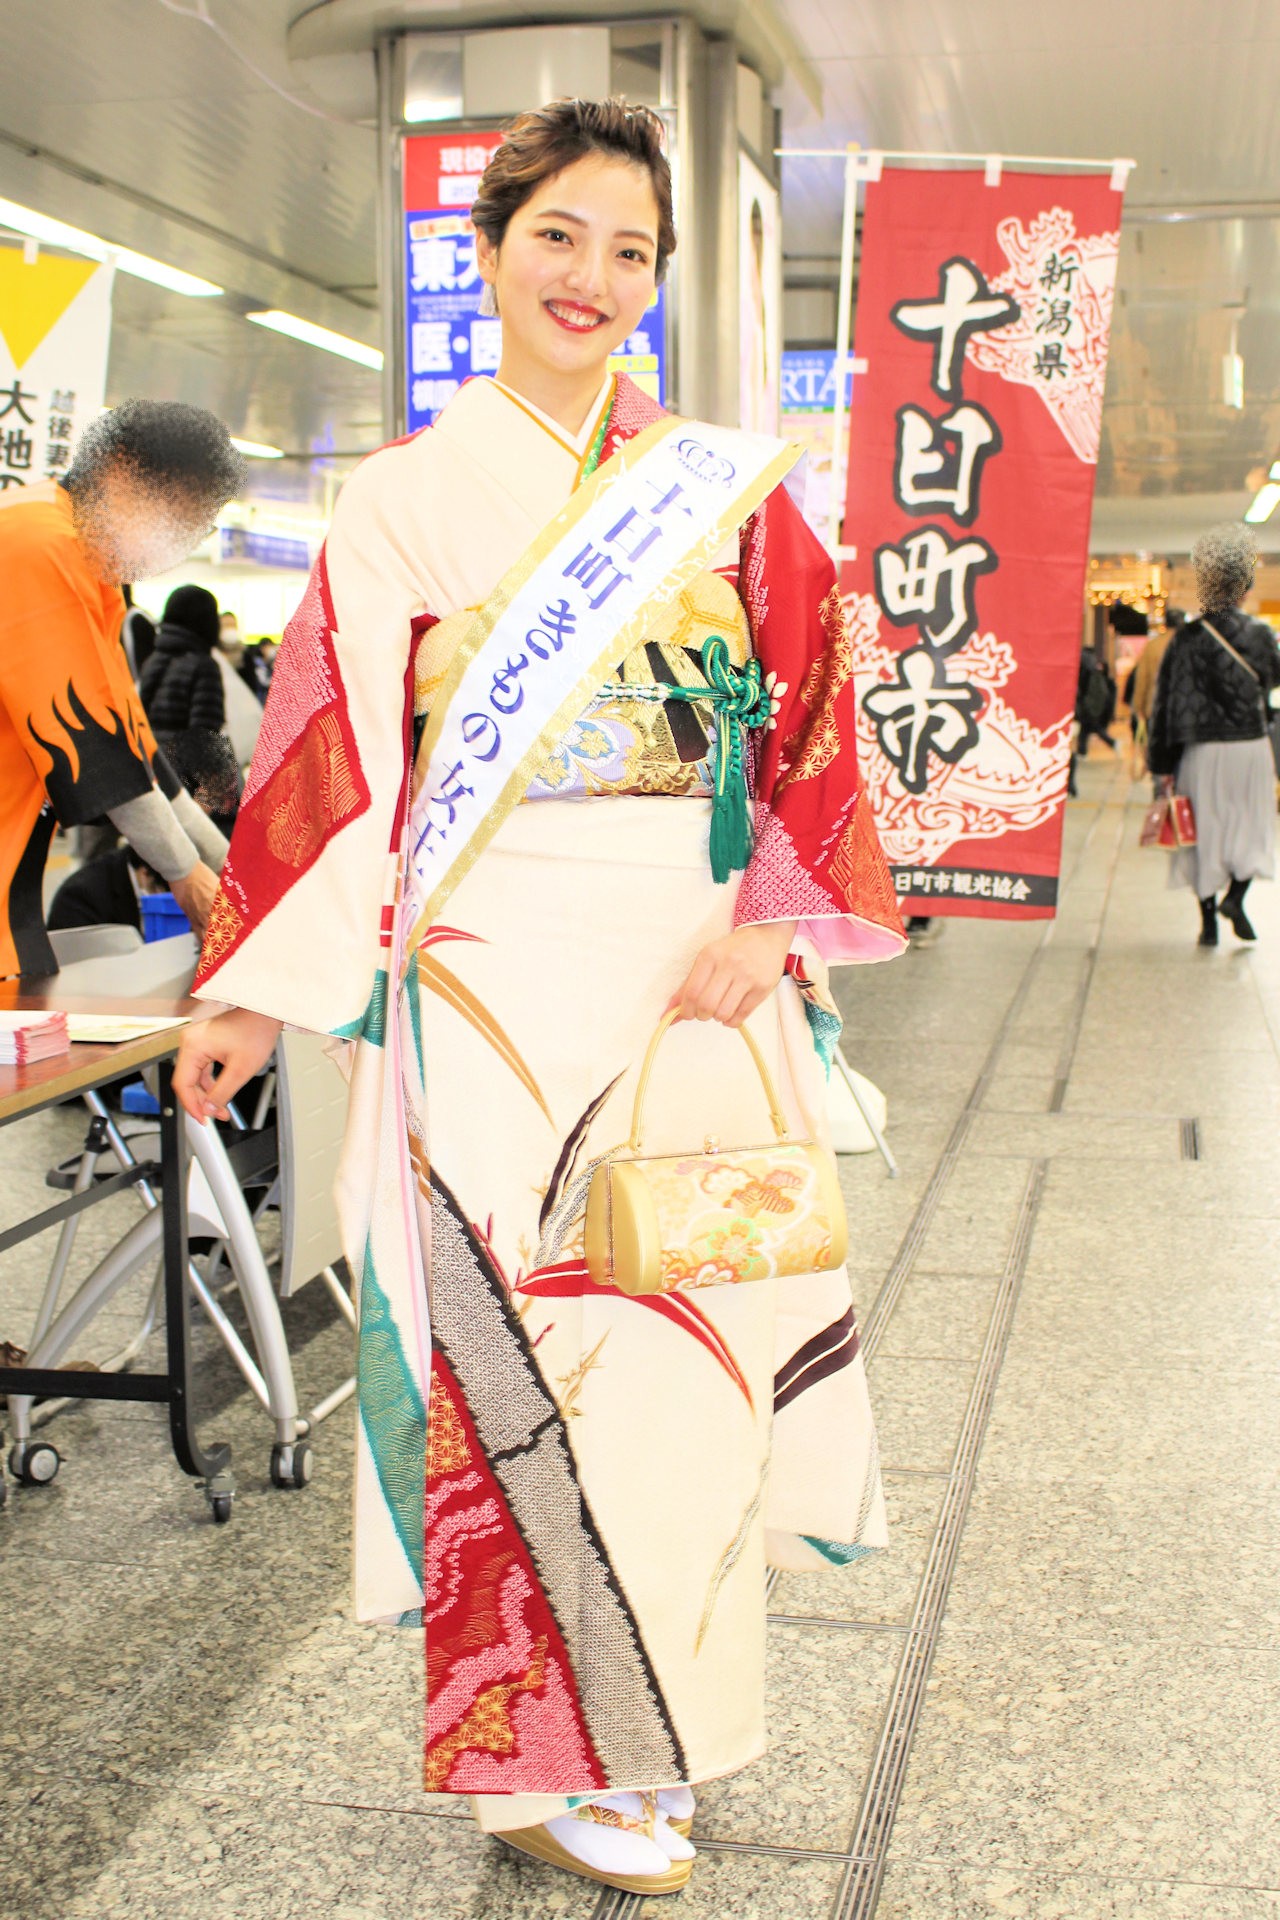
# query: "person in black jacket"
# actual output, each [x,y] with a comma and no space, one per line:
[1209,730]
[1095,709]
[180,684]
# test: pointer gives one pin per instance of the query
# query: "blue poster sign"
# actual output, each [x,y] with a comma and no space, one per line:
[447,339]
[264,549]
[809,381]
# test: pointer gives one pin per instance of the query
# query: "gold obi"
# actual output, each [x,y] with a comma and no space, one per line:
[628,739]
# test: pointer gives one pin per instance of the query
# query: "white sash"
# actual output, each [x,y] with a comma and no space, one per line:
[586,590]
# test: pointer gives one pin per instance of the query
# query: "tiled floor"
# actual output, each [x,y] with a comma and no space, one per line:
[194,1729]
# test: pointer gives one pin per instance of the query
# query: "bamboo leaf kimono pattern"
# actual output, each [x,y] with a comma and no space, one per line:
[573,1491]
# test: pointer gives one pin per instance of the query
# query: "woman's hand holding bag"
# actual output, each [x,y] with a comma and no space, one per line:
[733,976]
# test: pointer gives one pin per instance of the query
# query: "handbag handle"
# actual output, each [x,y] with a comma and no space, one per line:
[663,1027]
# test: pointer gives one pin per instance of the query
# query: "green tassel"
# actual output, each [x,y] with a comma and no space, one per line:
[738,699]
[731,835]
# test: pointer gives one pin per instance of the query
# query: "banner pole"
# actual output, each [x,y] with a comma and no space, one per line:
[839,469]
[964,159]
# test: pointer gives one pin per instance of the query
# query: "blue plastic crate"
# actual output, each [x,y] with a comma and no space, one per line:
[162,917]
[135,1099]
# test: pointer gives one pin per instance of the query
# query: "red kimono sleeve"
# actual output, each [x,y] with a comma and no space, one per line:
[817,856]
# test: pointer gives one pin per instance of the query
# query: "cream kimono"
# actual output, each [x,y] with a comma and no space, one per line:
[582,1523]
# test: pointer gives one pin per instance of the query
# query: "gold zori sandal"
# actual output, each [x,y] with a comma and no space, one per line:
[541,1843]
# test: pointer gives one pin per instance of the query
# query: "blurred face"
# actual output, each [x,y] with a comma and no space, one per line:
[576,268]
[133,531]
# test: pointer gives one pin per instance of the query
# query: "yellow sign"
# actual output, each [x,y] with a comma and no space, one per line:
[34,296]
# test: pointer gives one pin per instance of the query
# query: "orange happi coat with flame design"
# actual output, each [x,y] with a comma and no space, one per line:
[74,740]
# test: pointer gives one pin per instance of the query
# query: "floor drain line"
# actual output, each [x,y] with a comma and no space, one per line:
[614,1905]
[1071,1040]
[1190,1131]
[860,1888]
[1075,1026]
[904,1260]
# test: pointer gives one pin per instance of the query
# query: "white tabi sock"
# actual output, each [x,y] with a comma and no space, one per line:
[674,1845]
[677,1803]
[606,1849]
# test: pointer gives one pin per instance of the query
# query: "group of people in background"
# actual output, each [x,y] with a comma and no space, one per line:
[203,690]
[1202,711]
[199,672]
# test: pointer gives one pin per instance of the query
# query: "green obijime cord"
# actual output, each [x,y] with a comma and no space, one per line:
[738,698]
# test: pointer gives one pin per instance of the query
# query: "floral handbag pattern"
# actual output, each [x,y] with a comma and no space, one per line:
[675,1222]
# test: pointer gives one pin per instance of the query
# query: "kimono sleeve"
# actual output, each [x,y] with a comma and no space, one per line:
[297,923]
[79,720]
[817,856]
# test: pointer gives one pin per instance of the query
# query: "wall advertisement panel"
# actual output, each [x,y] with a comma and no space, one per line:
[55,331]
[983,318]
[808,415]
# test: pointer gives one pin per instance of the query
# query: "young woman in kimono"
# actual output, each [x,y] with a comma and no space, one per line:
[604,1478]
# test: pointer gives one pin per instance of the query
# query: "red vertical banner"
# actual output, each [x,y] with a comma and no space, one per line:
[983,319]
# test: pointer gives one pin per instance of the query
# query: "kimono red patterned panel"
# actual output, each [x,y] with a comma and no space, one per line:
[984,316]
[305,783]
[503,1714]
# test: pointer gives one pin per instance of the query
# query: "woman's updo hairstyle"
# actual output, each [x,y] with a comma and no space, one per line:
[539,144]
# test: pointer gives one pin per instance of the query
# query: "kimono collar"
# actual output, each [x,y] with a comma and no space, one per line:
[576,443]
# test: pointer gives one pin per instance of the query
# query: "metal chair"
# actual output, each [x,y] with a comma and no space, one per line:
[310,1098]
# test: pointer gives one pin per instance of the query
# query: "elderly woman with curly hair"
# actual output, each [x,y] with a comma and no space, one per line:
[1209,730]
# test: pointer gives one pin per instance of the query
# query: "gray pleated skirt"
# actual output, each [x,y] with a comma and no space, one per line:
[1232,786]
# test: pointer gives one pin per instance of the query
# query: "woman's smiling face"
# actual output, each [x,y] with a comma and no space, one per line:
[576,268]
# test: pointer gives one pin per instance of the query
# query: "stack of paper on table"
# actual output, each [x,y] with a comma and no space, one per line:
[25,1037]
[110,1028]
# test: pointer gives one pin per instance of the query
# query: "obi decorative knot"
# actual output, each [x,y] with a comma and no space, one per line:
[739,698]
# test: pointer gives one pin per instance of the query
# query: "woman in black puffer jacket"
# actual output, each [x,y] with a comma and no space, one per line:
[1209,728]
[180,684]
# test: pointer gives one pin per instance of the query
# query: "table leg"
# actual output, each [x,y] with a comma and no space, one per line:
[216,1461]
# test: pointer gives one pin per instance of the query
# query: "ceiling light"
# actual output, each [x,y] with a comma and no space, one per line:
[313,336]
[55,233]
[1275,470]
[257,450]
[1264,503]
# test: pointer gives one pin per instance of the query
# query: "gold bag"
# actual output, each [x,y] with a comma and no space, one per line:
[670,1223]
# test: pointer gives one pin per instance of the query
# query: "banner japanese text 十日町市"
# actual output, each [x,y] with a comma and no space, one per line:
[983,319]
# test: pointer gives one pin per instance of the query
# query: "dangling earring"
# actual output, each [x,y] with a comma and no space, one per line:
[489,301]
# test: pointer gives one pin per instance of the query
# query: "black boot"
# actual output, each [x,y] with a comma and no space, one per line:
[1232,909]
[1208,923]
